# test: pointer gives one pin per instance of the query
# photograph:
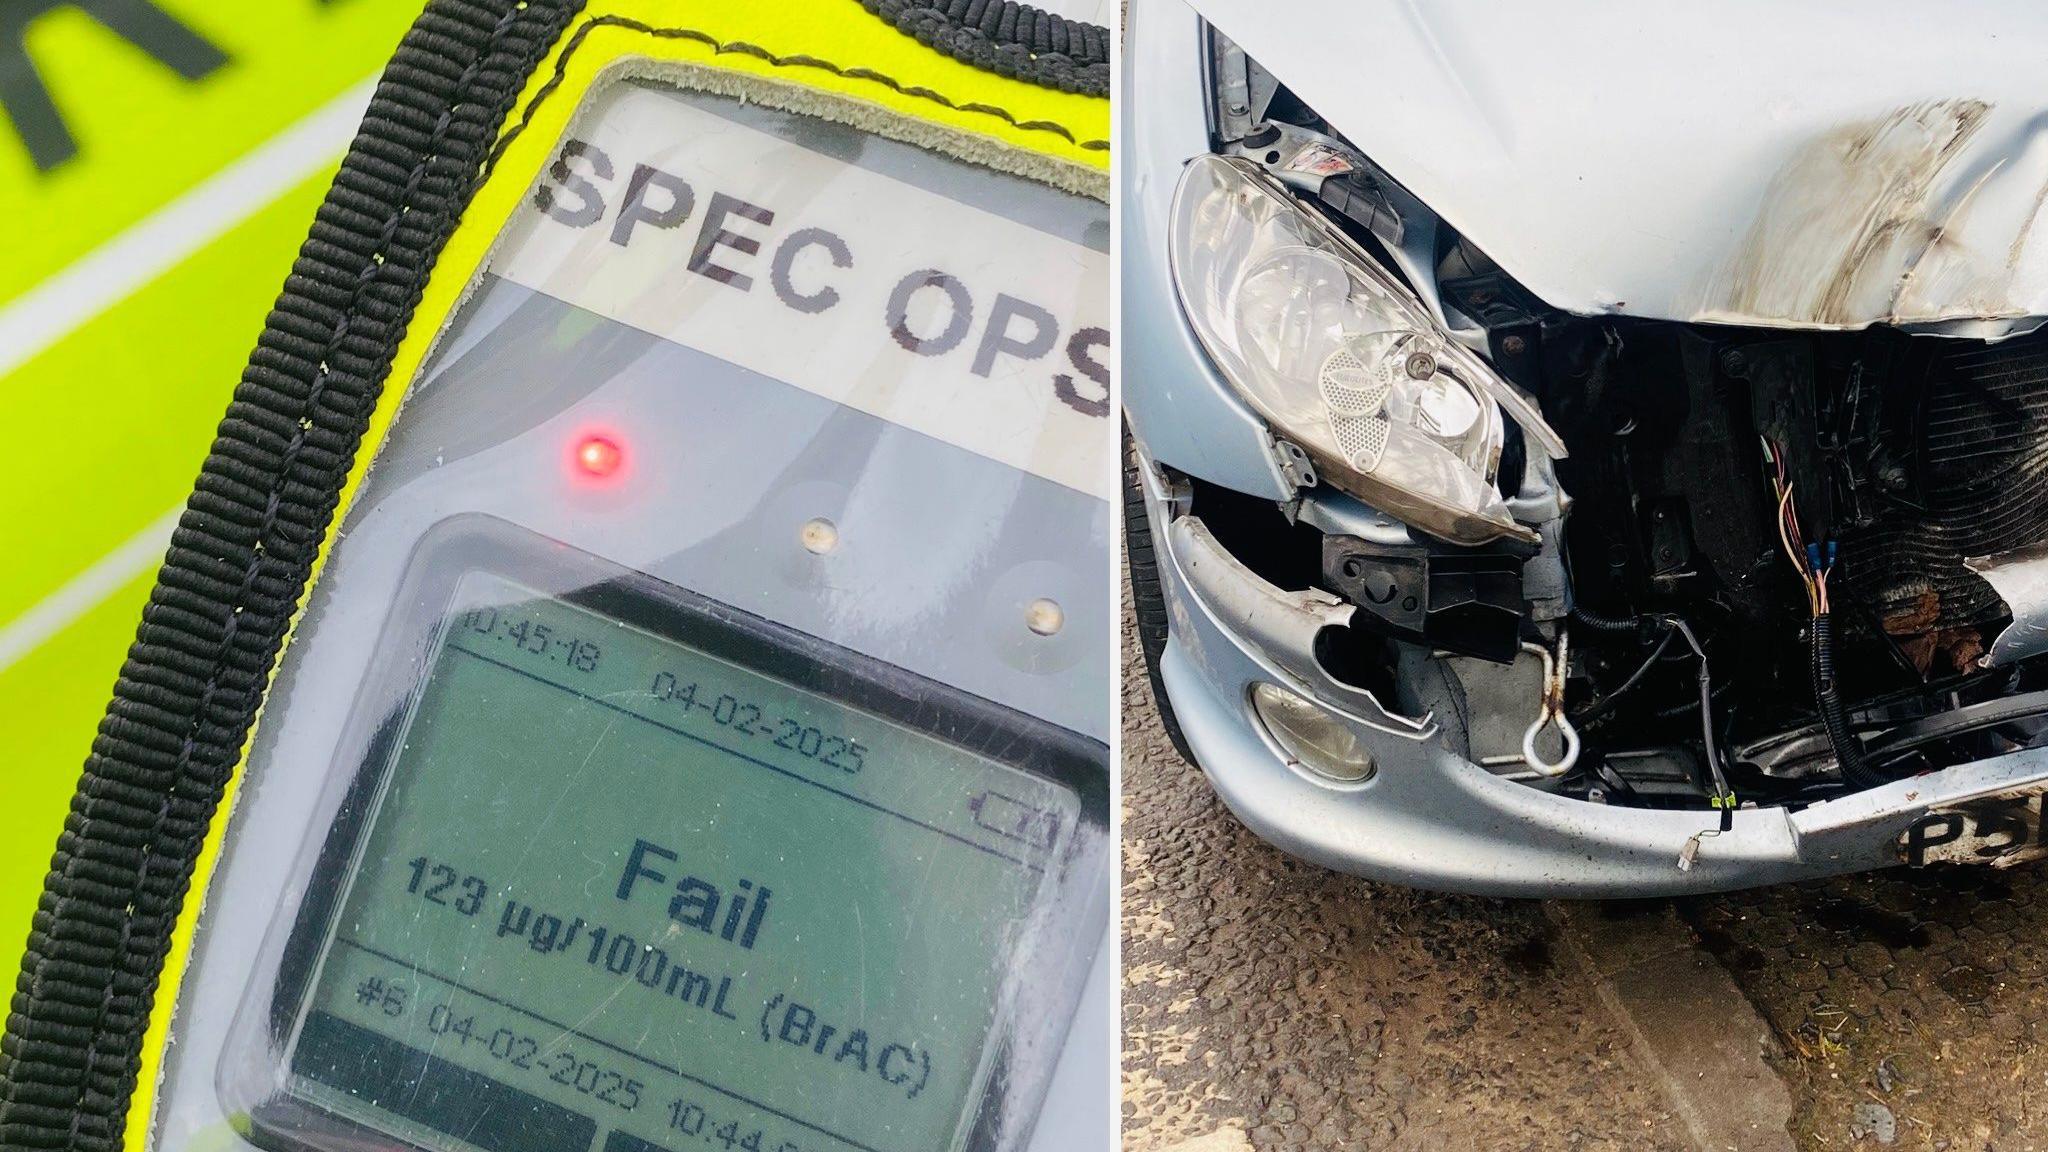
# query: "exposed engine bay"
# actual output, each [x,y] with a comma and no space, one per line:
[1776,566]
[1833,515]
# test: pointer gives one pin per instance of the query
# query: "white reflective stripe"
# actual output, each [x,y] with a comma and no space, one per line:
[787,262]
[110,273]
[84,592]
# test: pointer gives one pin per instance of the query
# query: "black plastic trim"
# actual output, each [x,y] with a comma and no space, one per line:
[239,561]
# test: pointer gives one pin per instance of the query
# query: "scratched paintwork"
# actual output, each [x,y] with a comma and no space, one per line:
[1915,216]
[1770,165]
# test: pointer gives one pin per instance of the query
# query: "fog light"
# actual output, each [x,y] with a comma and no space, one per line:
[1311,736]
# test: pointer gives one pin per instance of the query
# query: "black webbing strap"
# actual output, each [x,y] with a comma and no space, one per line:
[237,565]
[1009,39]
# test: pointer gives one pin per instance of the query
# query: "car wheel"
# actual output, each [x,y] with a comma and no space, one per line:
[1148,597]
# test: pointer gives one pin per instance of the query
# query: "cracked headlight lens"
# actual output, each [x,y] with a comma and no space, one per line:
[1342,359]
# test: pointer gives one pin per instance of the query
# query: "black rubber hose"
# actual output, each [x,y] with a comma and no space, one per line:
[1599,623]
[1641,627]
[1857,770]
[1605,704]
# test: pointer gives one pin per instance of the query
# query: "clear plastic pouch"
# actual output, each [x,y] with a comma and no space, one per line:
[697,736]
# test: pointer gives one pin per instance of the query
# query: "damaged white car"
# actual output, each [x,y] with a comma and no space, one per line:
[1594,450]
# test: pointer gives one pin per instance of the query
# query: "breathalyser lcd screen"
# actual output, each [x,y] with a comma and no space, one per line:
[619,888]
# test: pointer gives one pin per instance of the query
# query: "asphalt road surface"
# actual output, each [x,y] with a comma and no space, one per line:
[1310,1010]
[1270,1004]
[1909,1000]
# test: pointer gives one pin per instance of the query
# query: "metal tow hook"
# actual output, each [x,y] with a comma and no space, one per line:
[1551,712]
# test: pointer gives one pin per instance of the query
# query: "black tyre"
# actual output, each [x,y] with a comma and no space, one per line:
[1148,597]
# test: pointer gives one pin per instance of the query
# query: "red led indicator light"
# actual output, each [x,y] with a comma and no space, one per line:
[598,457]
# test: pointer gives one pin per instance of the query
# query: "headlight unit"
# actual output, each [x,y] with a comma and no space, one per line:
[1340,357]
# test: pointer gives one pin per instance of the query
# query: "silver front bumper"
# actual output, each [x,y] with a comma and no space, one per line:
[1430,818]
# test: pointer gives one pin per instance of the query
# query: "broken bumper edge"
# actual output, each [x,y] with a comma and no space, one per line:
[1429,818]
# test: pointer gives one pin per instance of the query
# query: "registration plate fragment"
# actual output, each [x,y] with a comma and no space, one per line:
[2002,831]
